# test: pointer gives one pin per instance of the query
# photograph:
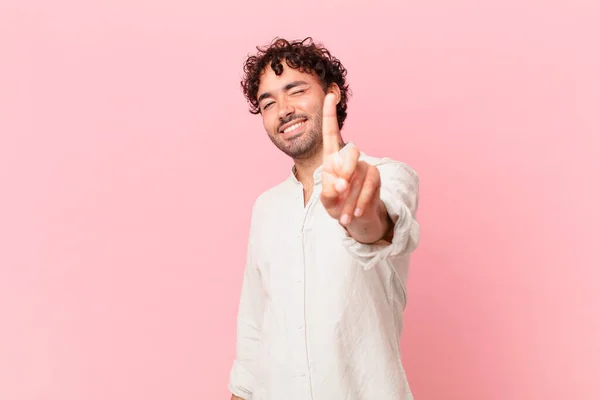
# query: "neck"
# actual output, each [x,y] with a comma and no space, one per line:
[305,168]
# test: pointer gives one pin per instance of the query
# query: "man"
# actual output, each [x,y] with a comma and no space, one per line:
[324,287]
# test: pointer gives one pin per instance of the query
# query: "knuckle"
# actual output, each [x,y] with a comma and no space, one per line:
[329,194]
[369,185]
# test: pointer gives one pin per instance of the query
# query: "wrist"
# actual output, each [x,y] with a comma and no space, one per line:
[371,227]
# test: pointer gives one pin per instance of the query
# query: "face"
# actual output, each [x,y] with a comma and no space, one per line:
[291,106]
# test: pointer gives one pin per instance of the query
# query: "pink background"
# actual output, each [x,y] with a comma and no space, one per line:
[129,164]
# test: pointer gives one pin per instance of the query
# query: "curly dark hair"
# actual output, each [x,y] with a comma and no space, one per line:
[303,55]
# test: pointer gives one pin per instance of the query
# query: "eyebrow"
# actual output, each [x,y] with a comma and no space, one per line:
[285,89]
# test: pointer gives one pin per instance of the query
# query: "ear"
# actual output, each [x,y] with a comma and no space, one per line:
[335,89]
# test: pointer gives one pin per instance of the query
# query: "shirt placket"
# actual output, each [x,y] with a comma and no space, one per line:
[303,292]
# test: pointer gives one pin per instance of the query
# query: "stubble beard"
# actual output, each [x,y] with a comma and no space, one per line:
[305,145]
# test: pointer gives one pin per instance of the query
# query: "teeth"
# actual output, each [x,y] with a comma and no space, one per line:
[291,128]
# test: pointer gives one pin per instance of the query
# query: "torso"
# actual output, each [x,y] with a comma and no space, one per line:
[318,341]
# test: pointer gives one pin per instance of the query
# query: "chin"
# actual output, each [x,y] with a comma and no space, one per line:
[302,150]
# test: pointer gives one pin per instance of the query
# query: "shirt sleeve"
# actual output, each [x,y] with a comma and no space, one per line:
[400,194]
[249,323]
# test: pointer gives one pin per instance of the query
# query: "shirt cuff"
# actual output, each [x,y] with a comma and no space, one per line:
[240,381]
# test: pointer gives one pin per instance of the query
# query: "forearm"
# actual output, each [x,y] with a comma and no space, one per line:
[369,228]
[234,397]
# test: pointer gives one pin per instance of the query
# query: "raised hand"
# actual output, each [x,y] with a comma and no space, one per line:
[350,187]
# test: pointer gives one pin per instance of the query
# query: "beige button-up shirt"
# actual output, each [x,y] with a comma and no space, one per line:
[320,314]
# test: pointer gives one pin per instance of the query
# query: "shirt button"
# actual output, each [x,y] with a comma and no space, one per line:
[300,326]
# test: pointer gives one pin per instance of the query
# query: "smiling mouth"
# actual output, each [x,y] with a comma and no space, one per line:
[293,127]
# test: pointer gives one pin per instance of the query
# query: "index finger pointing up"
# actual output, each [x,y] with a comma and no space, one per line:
[331,130]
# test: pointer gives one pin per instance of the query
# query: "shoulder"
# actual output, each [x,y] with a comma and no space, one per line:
[392,169]
[399,183]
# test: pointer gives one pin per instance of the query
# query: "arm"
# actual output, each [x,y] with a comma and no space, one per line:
[399,195]
[370,201]
[249,325]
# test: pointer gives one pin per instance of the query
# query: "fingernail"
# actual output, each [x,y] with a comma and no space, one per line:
[340,185]
[345,219]
[357,212]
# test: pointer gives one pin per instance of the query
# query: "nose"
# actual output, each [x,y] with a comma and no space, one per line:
[285,108]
